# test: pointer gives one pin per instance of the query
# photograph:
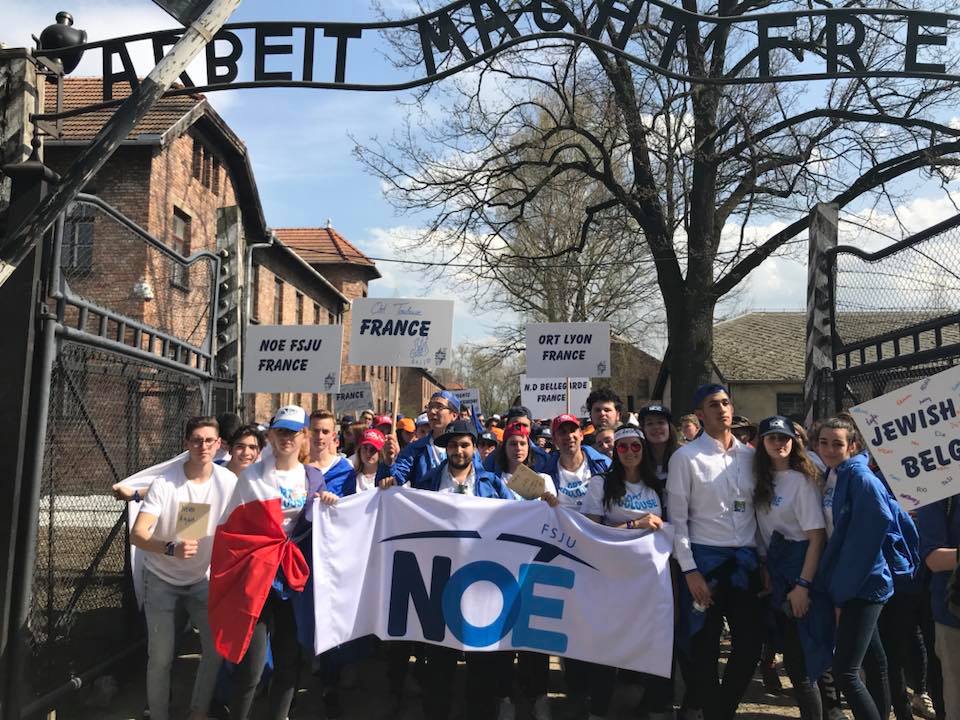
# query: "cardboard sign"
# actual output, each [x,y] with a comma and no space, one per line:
[193,520]
[526,483]
[401,332]
[353,398]
[292,358]
[568,350]
[469,397]
[914,435]
[547,397]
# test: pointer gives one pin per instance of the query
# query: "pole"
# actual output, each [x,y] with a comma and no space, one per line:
[819,351]
[568,396]
[21,240]
[396,402]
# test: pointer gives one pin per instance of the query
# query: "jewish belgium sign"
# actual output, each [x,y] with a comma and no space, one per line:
[802,45]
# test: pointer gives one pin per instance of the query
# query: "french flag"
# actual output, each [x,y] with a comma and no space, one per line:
[249,546]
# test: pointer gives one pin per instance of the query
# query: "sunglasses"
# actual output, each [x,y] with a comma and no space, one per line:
[633,447]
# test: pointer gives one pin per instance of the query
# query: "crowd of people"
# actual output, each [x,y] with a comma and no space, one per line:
[784,543]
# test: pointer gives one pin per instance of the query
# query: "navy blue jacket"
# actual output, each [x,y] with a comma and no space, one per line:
[939,531]
[486,484]
[853,565]
[596,460]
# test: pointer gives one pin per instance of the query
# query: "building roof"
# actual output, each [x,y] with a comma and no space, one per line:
[324,246]
[771,346]
[83,91]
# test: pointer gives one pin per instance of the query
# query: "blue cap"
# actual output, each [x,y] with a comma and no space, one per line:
[777,425]
[705,391]
[290,417]
[451,399]
[656,409]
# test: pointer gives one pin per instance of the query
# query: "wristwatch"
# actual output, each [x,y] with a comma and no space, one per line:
[803,582]
[170,549]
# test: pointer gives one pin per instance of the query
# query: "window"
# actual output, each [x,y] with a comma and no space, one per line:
[180,243]
[205,166]
[278,302]
[197,168]
[256,292]
[275,402]
[299,308]
[329,318]
[363,373]
[790,405]
[298,400]
[316,314]
[215,180]
[316,401]
[76,253]
[643,388]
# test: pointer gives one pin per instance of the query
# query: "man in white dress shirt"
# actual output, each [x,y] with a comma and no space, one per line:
[710,485]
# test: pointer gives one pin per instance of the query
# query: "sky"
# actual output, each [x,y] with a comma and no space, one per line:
[300,144]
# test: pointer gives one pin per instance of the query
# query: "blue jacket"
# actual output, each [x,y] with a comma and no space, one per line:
[937,530]
[596,460]
[341,478]
[853,565]
[414,462]
[540,460]
[486,484]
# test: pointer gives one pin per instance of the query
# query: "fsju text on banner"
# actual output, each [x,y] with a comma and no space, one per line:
[914,435]
[292,358]
[401,332]
[547,397]
[482,574]
[568,350]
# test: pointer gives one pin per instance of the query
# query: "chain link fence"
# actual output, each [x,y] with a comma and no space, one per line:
[109,416]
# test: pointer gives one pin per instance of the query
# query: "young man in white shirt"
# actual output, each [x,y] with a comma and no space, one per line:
[710,484]
[176,570]
[572,464]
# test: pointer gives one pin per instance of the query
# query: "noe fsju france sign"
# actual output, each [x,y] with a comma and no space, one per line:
[401,332]
[292,358]
[913,433]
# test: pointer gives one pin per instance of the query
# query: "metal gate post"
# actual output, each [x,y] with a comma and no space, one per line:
[26,366]
[819,353]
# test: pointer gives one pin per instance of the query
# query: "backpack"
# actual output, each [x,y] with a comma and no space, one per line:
[901,547]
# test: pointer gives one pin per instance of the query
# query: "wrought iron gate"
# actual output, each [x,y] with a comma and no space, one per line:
[895,313]
[135,340]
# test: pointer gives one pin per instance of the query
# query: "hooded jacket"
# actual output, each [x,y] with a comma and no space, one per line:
[485,484]
[596,461]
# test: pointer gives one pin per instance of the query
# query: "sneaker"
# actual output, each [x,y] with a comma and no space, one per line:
[922,705]
[771,680]
[541,708]
[836,713]
[507,711]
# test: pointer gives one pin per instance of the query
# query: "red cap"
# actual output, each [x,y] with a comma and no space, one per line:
[373,437]
[563,420]
[382,420]
[515,429]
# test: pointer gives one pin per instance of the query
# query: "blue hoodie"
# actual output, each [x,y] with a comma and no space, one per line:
[853,565]
[486,484]
[414,462]
[596,460]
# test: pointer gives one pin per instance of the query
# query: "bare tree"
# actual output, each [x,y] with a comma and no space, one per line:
[690,164]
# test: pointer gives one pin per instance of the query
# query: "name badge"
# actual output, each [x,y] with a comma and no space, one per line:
[739,506]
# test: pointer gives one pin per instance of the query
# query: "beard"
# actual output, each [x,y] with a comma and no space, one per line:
[457,464]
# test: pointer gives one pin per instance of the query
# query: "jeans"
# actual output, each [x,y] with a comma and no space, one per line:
[948,650]
[277,620]
[743,611]
[856,634]
[805,689]
[160,600]
[903,645]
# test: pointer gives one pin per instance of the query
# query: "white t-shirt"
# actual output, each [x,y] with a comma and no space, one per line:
[163,500]
[449,485]
[366,482]
[828,490]
[292,485]
[572,486]
[794,508]
[639,500]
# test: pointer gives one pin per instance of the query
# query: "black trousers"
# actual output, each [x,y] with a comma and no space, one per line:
[805,689]
[743,611]
[276,620]
[485,671]
[590,679]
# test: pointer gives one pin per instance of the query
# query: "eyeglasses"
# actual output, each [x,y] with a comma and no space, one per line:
[437,406]
[202,442]
[633,447]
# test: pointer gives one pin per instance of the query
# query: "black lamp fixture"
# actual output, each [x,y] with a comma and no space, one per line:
[62,34]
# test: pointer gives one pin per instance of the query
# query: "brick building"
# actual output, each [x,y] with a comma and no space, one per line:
[184,177]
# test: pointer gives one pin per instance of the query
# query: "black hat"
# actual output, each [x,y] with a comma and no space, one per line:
[488,437]
[656,409]
[779,425]
[457,427]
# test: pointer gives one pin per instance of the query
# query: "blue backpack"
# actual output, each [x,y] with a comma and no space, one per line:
[901,547]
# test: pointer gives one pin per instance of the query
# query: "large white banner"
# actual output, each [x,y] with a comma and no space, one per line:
[547,397]
[914,435]
[401,332]
[568,350]
[482,574]
[292,358]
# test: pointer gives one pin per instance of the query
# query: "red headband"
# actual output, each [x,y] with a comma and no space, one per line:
[515,429]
